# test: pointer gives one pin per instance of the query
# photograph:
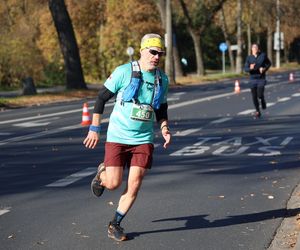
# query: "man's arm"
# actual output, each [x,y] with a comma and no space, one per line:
[162,118]
[93,135]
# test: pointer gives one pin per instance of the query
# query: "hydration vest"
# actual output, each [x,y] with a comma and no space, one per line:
[131,91]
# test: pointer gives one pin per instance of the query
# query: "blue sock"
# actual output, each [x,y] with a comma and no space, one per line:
[118,217]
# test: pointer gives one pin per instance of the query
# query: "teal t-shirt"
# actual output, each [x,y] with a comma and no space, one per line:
[122,128]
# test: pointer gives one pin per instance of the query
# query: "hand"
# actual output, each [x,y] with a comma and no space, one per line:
[166,135]
[91,140]
[261,70]
[252,65]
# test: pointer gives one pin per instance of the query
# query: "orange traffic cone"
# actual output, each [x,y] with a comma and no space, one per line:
[85,115]
[237,88]
[291,78]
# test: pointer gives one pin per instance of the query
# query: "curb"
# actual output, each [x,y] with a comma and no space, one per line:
[288,233]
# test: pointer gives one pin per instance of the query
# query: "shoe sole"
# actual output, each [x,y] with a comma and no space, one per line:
[96,188]
[114,238]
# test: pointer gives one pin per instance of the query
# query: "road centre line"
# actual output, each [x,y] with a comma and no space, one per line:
[46,132]
[73,177]
[225,119]
[269,104]
[38,123]
[39,134]
[284,99]
[187,132]
[209,98]
[48,115]
[54,131]
[5,133]
[182,104]
[246,112]
[40,116]
[180,93]
[4,211]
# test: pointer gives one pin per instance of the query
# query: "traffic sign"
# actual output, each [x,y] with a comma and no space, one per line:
[223,47]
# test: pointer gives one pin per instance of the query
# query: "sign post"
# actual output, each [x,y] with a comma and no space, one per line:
[223,47]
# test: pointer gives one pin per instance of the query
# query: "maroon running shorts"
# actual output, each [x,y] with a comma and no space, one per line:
[117,154]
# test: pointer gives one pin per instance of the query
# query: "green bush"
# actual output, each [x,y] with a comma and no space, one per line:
[53,75]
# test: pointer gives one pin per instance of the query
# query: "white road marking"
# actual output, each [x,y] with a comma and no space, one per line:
[209,98]
[286,141]
[296,94]
[180,93]
[4,211]
[173,99]
[246,112]
[5,133]
[270,104]
[174,106]
[48,115]
[41,116]
[284,99]
[225,119]
[187,132]
[39,123]
[39,134]
[73,177]
[46,132]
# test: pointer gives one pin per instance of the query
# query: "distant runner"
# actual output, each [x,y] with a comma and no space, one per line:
[257,65]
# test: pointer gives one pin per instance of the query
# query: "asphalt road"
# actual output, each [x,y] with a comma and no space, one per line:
[223,183]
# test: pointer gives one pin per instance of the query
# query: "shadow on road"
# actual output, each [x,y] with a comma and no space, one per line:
[199,221]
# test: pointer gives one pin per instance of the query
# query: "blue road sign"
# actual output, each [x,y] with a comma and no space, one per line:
[223,47]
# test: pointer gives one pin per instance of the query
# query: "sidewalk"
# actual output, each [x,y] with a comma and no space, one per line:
[288,234]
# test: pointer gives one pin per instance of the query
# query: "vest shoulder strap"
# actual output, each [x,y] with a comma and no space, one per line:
[135,70]
[131,91]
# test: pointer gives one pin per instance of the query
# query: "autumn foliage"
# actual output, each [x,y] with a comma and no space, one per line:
[29,44]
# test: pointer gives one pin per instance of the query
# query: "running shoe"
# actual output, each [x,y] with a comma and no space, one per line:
[257,114]
[96,187]
[116,232]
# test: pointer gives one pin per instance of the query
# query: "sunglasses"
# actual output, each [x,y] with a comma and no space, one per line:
[155,52]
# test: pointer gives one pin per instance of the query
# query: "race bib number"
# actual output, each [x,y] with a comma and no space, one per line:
[141,112]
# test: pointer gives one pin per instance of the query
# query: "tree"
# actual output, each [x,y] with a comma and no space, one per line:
[161,4]
[169,59]
[127,22]
[239,37]
[68,44]
[225,31]
[198,20]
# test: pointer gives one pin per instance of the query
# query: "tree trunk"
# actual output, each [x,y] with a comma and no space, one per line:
[176,55]
[269,43]
[239,37]
[226,36]
[198,51]
[68,44]
[169,57]
[161,4]
[249,39]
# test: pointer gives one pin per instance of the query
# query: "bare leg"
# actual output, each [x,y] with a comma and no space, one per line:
[111,178]
[135,178]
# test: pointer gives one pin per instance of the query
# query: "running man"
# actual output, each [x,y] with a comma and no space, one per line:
[257,65]
[141,91]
